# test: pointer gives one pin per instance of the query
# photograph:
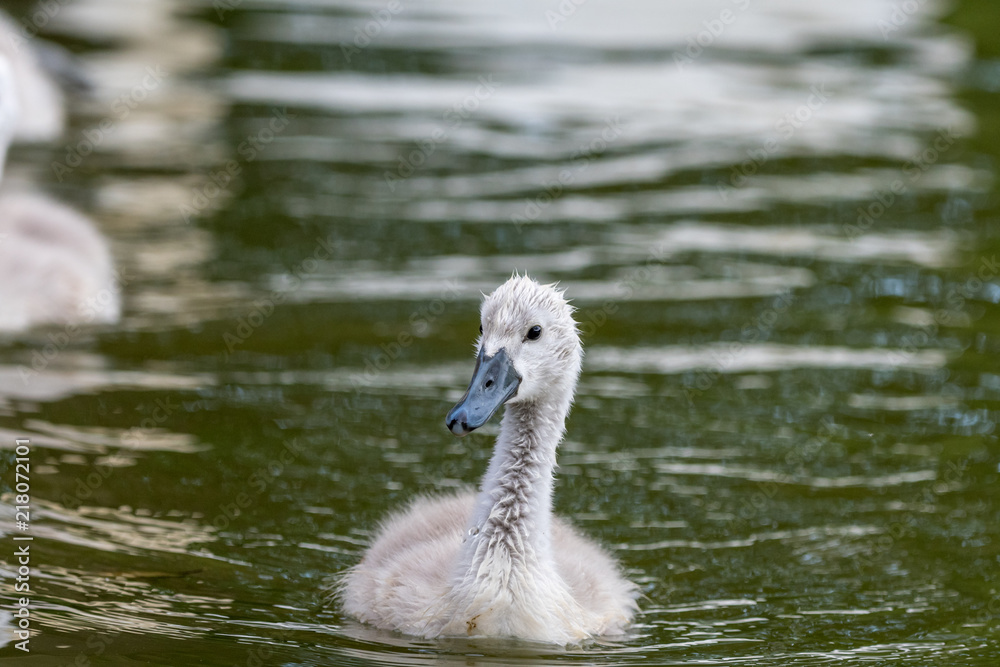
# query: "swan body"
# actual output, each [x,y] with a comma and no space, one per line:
[55,267]
[497,562]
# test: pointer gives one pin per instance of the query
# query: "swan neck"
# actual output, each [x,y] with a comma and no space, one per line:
[514,509]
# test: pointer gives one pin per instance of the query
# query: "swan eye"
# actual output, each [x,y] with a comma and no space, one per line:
[534,332]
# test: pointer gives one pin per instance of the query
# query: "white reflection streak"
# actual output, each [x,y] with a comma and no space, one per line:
[760,357]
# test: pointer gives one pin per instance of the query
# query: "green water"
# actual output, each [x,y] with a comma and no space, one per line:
[783,247]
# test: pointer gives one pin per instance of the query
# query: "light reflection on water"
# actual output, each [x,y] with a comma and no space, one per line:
[785,424]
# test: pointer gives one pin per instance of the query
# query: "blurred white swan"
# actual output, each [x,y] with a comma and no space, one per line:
[55,267]
[9,110]
[44,116]
[497,562]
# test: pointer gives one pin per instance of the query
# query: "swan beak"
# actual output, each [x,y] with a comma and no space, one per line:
[494,382]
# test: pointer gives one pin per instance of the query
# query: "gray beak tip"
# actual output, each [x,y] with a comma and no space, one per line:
[494,382]
[458,428]
[457,421]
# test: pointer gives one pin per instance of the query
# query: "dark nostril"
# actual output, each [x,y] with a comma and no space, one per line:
[489,383]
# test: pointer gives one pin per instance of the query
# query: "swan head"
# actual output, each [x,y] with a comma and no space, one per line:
[529,351]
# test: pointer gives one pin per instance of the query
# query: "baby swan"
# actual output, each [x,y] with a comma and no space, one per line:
[497,562]
[55,266]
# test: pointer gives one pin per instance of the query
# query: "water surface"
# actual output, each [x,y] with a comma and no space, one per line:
[778,221]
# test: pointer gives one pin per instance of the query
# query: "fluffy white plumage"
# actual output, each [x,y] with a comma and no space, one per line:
[55,267]
[37,92]
[497,562]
